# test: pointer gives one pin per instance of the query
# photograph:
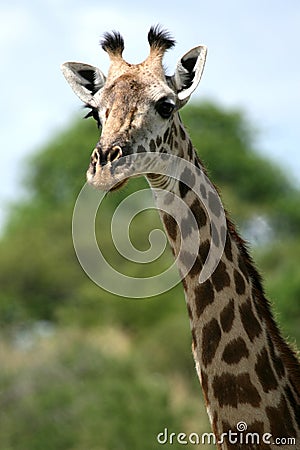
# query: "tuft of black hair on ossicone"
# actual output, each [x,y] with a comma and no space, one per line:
[112,42]
[160,39]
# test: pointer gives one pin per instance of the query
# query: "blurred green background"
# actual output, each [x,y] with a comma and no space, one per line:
[85,370]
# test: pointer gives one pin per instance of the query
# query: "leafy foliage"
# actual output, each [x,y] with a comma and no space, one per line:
[74,391]
[88,400]
[226,144]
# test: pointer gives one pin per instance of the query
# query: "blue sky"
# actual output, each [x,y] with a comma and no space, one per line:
[253,63]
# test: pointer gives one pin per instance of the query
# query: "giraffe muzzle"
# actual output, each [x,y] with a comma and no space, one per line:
[101,171]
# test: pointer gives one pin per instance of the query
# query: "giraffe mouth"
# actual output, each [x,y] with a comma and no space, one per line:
[106,178]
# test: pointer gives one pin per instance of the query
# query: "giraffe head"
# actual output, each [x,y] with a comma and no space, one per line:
[135,104]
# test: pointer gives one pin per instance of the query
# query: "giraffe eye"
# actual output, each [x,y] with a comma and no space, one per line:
[165,106]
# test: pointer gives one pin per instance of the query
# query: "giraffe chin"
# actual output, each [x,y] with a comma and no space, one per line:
[119,185]
[104,179]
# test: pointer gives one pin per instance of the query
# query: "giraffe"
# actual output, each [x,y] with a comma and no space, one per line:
[247,371]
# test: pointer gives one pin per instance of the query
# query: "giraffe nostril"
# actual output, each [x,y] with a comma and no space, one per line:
[94,160]
[94,157]
[115,153]
[100,157]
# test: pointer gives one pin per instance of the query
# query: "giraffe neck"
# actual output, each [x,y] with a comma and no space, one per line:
[247,371]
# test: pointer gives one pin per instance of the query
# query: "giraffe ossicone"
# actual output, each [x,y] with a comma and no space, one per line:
[247,371]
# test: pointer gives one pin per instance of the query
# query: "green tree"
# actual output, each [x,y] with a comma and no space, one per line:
[40,274]
[113,362]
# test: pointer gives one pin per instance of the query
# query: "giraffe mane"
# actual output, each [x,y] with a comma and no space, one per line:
[264,310]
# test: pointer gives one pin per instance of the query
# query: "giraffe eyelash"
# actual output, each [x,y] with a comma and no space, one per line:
[93,113]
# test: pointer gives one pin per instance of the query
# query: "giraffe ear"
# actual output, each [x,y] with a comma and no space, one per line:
[85,80]
[189,71]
